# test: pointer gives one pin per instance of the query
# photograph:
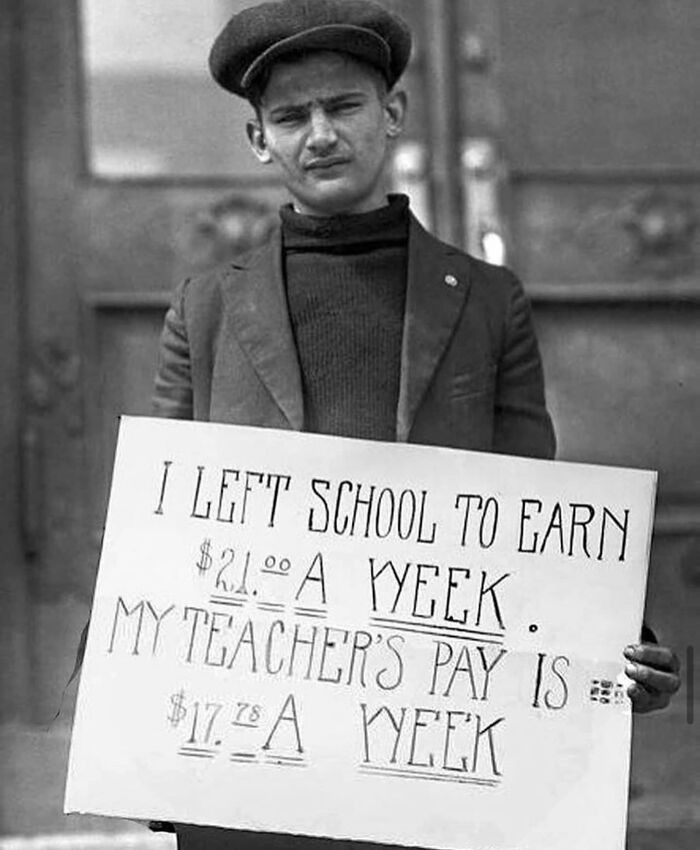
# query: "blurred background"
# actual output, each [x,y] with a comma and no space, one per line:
[561,138]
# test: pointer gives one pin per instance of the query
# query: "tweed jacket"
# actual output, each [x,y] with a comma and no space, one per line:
[471,375]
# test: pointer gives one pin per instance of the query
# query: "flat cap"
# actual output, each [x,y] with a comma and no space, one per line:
[259,35]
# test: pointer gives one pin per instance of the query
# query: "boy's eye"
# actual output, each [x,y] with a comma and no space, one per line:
[344,106]
[293,117]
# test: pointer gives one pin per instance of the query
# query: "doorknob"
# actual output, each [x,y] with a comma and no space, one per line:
[483,175]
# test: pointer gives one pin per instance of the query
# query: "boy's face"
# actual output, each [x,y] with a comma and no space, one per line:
[325,121]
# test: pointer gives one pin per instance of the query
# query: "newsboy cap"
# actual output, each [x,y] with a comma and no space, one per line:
[259,35]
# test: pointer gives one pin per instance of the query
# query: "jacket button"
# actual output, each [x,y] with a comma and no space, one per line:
[451,280]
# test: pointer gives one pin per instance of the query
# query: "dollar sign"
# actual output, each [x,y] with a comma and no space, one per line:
[178,710]
[205,559]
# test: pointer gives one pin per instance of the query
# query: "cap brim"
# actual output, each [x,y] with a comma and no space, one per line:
[359,42]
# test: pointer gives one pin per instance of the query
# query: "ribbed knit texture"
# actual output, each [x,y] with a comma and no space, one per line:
[346,286]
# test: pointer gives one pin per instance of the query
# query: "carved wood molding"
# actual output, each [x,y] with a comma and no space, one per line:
[602,174]
[615,292]
[678,516]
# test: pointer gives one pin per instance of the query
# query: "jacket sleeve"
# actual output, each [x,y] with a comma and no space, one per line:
[173,396]
[522,425]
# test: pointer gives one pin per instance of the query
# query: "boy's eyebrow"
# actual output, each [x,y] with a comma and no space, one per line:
[288,107]
[293,106]
[338,98]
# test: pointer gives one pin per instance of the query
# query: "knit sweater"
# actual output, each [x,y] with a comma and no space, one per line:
[346,288]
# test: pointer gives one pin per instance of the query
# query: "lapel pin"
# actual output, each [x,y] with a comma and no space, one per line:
[451,280]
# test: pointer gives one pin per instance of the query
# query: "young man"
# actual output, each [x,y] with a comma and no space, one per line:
[352,320]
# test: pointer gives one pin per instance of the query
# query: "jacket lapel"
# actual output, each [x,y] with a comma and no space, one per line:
[436,290]
[256,303]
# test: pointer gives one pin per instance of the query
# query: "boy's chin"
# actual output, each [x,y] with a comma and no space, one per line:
[334,200]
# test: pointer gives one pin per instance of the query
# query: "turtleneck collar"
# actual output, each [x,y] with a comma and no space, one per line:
[387,224]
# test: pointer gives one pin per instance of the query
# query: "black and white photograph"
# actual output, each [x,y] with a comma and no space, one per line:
[349,453]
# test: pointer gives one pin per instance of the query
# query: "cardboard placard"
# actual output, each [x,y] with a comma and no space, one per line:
[384,642]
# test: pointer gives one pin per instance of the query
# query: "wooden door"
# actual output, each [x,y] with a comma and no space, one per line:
[561,138]
[592,109]
[124,181]
[99,249]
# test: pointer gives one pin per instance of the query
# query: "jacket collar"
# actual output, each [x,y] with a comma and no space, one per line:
[256,303]
[436,289]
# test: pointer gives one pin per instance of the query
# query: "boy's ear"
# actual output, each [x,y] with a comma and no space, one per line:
[256,140]
[395,110]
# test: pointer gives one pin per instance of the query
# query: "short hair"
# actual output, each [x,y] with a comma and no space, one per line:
[256,91]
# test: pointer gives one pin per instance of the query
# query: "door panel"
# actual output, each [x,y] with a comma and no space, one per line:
[618,371]
[608,230]
[600,85]
[665,754]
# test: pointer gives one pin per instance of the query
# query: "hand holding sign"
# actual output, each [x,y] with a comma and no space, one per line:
[655,672]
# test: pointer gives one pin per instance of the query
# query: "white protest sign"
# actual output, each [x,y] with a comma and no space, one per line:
[386,642]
